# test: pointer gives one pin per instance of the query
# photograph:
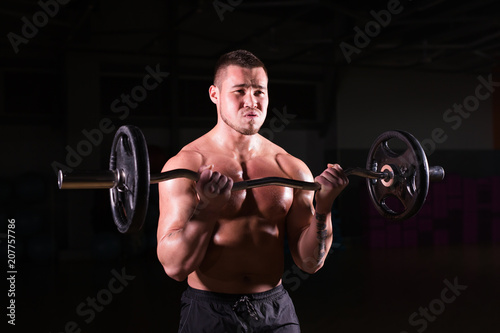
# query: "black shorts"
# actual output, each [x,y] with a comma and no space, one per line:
[269,311]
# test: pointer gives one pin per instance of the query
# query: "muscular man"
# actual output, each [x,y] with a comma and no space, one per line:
[230,245]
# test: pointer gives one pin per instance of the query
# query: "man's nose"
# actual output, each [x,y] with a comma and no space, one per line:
[250,101]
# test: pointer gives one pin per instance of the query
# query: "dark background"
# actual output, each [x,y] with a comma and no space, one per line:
[60,78]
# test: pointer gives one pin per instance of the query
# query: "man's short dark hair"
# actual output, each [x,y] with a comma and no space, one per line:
[240,58]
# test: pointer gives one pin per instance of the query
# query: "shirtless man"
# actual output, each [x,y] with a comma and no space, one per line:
[230,245]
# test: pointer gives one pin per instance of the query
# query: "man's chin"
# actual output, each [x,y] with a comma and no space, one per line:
[249,131]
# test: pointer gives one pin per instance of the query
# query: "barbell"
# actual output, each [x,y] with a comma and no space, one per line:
[403,174]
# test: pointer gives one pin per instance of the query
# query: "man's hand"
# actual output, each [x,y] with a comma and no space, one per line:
[333,180]
[214,189]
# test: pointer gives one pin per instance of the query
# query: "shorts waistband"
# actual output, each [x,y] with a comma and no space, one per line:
[203,295]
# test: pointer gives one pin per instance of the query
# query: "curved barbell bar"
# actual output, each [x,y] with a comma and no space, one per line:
[107,179]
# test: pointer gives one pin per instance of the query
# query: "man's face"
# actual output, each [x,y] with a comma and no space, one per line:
[241,98]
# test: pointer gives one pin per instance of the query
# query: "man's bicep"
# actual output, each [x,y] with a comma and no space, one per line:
[302,209]
[178,197]
[178,200]
[298,218]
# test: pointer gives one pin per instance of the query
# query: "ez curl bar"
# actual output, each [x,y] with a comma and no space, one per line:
[389,174]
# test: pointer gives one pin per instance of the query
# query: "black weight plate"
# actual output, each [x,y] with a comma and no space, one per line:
[129,157]
[404,198]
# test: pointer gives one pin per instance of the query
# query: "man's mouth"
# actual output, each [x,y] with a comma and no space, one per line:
[251,114]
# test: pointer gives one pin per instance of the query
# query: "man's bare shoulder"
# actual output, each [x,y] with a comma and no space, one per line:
[191,156]
[294,167]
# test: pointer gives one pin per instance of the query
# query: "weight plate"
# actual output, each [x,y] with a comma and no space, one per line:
[404,197]
[129,159]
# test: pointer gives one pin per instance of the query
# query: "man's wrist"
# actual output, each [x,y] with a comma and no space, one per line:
[322,209]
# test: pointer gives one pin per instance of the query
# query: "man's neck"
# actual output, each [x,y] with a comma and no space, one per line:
[243,147]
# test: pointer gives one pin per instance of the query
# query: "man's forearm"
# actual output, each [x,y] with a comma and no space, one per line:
[321,235]
[315,242]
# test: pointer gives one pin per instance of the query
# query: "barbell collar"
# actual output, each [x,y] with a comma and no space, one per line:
[436,173]
[366,173]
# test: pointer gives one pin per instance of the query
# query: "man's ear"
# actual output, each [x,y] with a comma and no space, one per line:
[213,92]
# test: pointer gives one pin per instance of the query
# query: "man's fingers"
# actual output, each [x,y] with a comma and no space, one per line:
[213,182]
[215,177]
[339,172]
[333,176]
[226,183]
[222,182]
[329,180]
[205,172]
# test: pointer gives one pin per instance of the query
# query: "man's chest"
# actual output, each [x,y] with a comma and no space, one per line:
[268,202]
